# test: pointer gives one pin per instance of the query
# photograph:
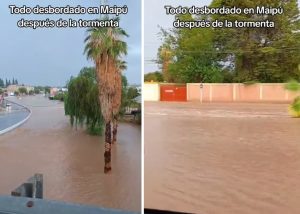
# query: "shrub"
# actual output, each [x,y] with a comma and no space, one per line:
[294,108]
[59,96]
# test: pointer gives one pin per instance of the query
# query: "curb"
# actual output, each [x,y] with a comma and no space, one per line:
[19,123]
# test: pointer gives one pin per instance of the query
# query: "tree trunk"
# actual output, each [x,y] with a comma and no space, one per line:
[107,153]
[115,130]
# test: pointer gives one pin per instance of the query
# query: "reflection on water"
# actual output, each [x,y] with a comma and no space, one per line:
[200,161]
[71,161]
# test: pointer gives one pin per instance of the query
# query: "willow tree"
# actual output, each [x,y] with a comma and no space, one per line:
[104,46]
[82,103]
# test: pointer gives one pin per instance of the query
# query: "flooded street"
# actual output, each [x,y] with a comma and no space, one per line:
[71,161]
[222,158]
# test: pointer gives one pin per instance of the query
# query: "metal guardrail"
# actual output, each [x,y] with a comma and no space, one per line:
[22,205]
[29,201]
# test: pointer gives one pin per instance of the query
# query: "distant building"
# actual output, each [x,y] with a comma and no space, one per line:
[11,89]
[55,90]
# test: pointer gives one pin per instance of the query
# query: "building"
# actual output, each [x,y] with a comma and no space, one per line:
[54,91]
[11,89]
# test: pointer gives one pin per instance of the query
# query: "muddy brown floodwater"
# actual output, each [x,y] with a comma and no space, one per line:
[222,158]
[71,161]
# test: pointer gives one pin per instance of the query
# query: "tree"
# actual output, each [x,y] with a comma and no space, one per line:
[1,83]
[117,98]
[194,58]
[31,92]
[82,103]
[153,77]
[132,93]
[37,90]
[104,46]
[124,100]
[47,89]
[165,56]
[23,90]
[260,54]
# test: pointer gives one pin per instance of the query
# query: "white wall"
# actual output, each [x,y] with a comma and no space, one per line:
[151,92]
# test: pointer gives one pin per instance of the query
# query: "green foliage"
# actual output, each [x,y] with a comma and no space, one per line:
[47,89]
[17,93]
[260,54]
[235,54]
[293,85]
[295,107]
[2,83]
[82,102]
[31,92]
[59,96]
[194,57]
[132,93]
[124,99]
[250,82]
[8,82]
[42,89]
[191,69]
[105,40]
[37,90]
[23,90]
[154,77]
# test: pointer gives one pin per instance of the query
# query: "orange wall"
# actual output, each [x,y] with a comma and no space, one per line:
[236,92]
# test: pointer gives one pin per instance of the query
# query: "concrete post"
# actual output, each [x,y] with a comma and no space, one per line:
[260,92]
[201,92]
[32,188]
[210,93]
[234,92]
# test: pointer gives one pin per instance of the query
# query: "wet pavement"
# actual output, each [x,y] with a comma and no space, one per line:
[15,115]
[222,158]
[71,160]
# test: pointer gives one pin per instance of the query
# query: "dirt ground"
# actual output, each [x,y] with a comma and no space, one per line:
[222,158]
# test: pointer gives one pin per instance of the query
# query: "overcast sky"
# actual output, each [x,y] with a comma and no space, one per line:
[50,57]
[155,16]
